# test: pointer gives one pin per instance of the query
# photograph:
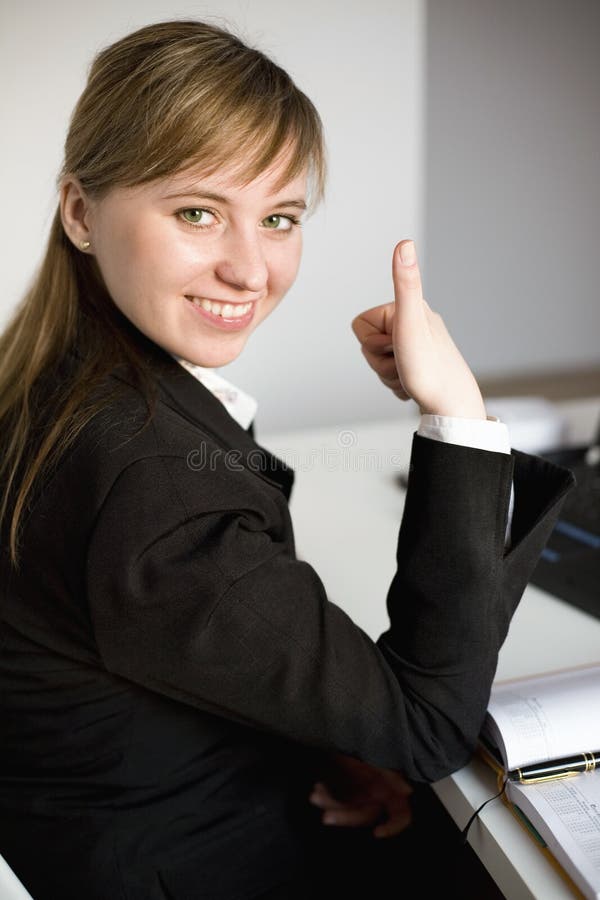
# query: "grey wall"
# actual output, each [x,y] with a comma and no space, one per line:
[512,177]
[361,64]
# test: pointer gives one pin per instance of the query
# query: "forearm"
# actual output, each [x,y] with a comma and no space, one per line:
[455,590]
[483,434]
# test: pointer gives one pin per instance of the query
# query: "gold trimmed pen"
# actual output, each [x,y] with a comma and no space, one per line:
[556,768]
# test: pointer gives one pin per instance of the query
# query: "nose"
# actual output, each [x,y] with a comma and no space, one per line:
[243,264]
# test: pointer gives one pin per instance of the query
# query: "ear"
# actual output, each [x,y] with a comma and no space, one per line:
[76,213]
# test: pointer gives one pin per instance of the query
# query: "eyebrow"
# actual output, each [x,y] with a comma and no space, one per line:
[220,198]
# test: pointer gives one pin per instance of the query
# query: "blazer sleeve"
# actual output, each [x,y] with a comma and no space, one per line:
[204,601]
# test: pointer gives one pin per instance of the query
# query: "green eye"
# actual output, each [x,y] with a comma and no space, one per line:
[200,217]
[273,222]
[193,216]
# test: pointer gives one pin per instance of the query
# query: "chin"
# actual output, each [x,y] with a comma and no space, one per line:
[212,358]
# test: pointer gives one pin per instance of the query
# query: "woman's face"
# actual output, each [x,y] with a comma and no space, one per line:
[197,263]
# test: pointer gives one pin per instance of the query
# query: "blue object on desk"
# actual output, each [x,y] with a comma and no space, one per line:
[569,567]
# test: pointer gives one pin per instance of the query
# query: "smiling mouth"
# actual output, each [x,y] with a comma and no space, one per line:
[224,310]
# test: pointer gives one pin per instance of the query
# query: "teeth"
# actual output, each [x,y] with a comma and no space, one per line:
[226,310]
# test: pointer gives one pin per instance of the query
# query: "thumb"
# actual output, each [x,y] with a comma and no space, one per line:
[408,289]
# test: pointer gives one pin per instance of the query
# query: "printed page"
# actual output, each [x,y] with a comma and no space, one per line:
[546,717]
[566,813]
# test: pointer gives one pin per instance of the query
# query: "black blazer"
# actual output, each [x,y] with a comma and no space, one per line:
[172,677]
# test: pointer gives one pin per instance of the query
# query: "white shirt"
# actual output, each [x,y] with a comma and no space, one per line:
[241,406]
[490,434]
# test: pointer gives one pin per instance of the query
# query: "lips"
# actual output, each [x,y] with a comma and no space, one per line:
[223,316]
[226,310]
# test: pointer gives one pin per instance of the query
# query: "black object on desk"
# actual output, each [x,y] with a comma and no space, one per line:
[569,567]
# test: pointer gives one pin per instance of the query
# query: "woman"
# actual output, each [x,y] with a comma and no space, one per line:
[180,701]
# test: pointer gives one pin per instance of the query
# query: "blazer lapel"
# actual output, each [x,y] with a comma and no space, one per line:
[182,392]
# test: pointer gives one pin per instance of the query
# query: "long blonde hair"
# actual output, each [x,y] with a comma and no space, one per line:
[169,95]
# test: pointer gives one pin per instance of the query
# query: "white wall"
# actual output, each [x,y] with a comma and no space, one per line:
[472,126]
[513,180]
[360,63]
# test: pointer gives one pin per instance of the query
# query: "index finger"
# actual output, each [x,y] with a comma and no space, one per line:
[394,825]
[377,320]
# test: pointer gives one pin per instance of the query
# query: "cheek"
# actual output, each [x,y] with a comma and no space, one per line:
[145,257]
[285,266]
[154,253]
[119,252]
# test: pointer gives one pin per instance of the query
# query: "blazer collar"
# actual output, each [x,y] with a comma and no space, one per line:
[190,398]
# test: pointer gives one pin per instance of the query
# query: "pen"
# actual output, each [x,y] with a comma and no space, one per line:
[556,768]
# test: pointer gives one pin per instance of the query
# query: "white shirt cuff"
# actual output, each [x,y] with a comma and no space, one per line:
[484,434]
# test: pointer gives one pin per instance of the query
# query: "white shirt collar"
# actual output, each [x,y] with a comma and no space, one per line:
[240,406]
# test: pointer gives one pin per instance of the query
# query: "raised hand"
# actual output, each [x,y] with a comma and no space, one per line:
[408,345]
[355,793]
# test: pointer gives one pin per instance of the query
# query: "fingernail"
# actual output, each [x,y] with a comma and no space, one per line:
[330,818]
[388,348]
[407,253]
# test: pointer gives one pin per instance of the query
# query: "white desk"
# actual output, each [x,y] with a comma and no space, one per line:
[346,508]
